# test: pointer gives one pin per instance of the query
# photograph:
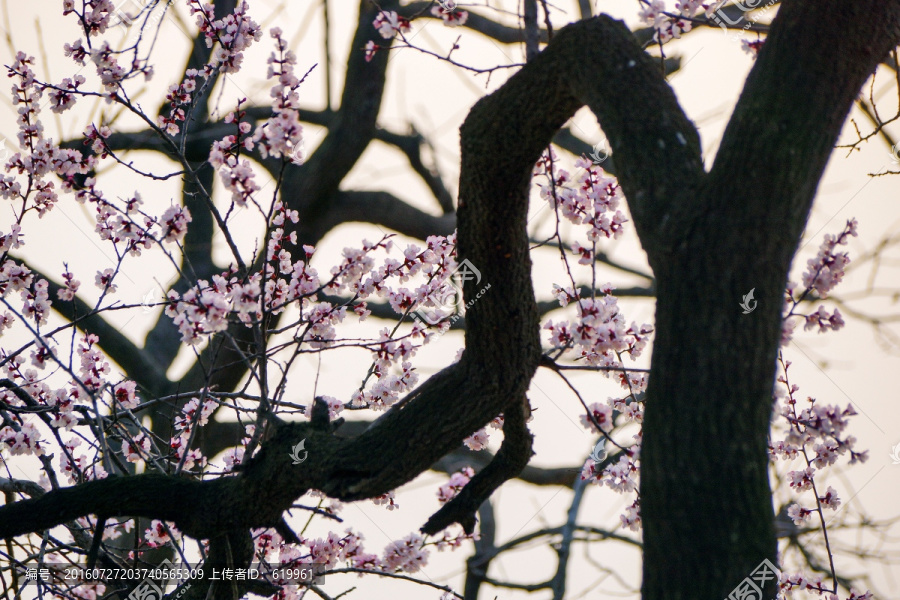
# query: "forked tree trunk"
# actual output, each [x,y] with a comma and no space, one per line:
[710,238]
[706,504]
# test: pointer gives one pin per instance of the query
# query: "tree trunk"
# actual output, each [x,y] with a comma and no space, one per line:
[705,499]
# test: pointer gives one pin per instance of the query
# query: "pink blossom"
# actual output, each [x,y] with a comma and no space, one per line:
[802,480]
[104,280]
[632,516]
[36,302]
[188,414]
[136,449]
[824,321]
[452,17]
[12,240]
[407,555]
[386,500]
[371,48]
[156,535]
[752,47]
[27,440]
[799,515]
[830,499]
[477,441]
[457,482]
[125,396]
[7,319]
[174,223]
[389,24]
[600,414]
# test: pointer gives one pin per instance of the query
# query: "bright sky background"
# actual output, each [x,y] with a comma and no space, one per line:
[848,366]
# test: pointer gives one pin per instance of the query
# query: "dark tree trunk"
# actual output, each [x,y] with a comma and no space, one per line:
[705,498]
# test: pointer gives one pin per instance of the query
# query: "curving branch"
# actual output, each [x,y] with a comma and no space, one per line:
[386,210]
[411,146]
[514,454]
[476,22]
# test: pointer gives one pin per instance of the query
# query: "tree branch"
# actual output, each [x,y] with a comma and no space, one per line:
[514,454]
[386,210]
[475,22]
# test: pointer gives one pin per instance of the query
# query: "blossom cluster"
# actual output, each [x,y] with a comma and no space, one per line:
[815,434]
[826,270]
[228,37]
[591,198]
[96,15]
[822,274]
[40,159]
[281,134]
[599,334]
[389,24]
[457,482]
[406,555]
[671,24]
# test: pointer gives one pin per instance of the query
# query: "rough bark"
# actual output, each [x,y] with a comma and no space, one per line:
[705,499]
